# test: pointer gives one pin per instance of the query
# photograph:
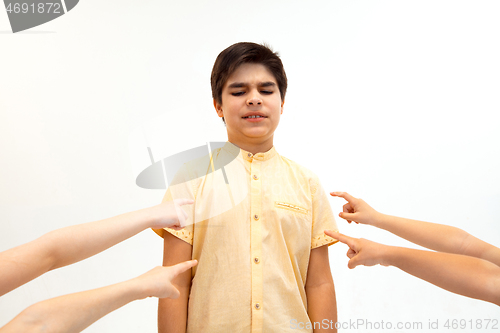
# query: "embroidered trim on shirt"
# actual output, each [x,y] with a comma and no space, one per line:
[322,240]
[182,234]
[291,207]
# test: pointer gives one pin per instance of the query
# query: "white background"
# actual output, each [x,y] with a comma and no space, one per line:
[396,102]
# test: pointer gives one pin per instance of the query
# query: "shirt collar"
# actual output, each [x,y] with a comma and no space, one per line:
[259,156]
[234,149]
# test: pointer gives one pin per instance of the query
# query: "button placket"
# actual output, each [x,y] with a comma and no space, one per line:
[256,244]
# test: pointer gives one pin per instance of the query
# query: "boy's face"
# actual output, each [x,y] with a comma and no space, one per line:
[250,91]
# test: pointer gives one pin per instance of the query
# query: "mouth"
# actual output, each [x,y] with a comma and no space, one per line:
[253,117]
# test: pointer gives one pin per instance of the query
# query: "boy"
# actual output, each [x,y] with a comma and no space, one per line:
[262,261]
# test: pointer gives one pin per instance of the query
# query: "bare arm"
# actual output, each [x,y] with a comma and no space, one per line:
[320,292]
[439,237]
[71,244]
[464,275]
[74,312]
[433,236]
[172,313]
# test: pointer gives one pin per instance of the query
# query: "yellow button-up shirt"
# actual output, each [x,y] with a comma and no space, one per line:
[252,228]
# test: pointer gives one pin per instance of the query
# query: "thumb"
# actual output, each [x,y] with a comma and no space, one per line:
[182,202]
[354,261]
[181,216]
[175,293]
[348,216]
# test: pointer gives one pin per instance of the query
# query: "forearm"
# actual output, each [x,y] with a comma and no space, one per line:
[75,312]
[433,236]
[75,243]
[322,307]
[464,275]
[22,264]
[65,246]
[439,237]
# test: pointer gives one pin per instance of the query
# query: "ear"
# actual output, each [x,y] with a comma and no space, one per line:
[218,108]
[282,103]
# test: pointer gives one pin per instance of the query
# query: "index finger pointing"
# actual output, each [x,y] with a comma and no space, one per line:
[184,266]
[344,195]
[342,238]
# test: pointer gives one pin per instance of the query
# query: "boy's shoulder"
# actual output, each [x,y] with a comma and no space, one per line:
[300,170]
[199,167]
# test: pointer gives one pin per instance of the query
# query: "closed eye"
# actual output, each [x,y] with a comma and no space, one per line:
[239,93]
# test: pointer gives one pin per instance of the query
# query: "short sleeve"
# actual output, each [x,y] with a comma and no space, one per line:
[322,216]
[183,188]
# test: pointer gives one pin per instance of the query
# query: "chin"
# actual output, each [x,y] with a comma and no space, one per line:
[256,134]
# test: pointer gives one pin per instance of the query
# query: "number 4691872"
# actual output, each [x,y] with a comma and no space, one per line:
[40,8]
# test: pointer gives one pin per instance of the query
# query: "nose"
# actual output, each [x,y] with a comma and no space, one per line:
[254,100]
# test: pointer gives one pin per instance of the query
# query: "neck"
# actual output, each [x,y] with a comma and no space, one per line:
[257,146]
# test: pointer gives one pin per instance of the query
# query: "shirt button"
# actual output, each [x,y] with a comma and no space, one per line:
[256,260]
[256,217]
[255,177]
[257,306]
[249,154]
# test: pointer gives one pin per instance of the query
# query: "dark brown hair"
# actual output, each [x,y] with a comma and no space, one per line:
[237,54]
